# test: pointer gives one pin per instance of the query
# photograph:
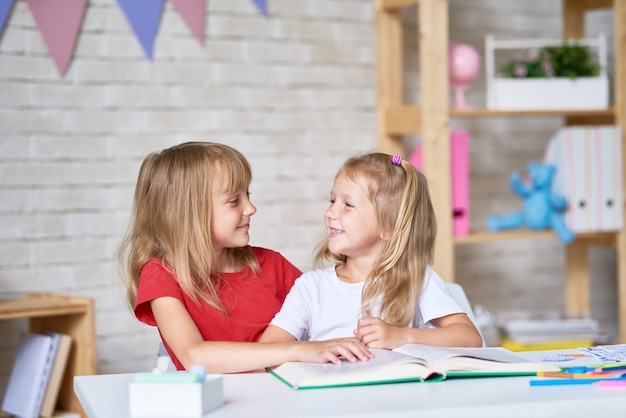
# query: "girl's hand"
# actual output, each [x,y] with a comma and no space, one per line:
[331,351]
[376,333]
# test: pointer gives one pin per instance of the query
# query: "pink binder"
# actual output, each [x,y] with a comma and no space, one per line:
[459,161]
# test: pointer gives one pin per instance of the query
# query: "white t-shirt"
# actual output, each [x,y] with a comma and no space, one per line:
[322,307]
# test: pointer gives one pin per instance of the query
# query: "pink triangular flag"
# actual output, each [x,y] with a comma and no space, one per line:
[193,12]
[59,22]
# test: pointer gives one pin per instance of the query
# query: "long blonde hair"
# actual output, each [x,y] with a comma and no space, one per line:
[399,192]
[171,217]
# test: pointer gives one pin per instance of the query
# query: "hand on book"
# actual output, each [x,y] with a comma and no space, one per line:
[376,333]
[330,351]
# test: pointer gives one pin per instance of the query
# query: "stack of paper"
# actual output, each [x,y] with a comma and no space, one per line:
[522,334]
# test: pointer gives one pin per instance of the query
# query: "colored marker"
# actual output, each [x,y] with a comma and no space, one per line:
[557,382]
[579,369]
[610,366]
[612,383]
[594,375]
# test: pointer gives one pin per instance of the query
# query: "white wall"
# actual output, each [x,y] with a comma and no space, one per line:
[295,92]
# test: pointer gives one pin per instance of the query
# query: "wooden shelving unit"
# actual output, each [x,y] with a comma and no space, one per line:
[431,120]
[68,315]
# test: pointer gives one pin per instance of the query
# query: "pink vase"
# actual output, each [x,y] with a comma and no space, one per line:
[464,68]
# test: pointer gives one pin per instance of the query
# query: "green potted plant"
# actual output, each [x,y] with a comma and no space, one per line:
[547,75]
[566,60]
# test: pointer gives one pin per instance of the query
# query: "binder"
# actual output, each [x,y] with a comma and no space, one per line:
[611,207]
[460,182]
[29,375]
[589,175]
[459,162]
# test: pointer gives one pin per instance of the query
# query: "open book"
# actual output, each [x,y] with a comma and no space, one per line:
[411,362]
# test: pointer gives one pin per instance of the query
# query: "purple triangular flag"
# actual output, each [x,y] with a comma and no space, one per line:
[59,24]
[144,16]
[5,8]
[261,5]
[193,12]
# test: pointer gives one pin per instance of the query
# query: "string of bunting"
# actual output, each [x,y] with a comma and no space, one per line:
[59,22]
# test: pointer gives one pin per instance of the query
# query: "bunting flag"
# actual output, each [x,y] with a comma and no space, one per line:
[193,12]
[5,8]
[144,16]
[58,22]
[261,5]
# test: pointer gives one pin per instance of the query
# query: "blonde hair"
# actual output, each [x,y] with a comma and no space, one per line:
[400,195]
[171,217]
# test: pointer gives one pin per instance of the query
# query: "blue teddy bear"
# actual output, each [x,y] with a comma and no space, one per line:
[542,209]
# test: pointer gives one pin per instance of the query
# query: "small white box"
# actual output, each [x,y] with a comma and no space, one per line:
[164,399]
[549,93]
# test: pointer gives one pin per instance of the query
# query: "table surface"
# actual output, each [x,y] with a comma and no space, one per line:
[263,395]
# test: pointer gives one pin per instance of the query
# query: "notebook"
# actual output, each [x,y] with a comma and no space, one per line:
[30,374]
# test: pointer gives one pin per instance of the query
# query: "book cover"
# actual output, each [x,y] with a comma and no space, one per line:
[53,388]
[29,375]
[409,363]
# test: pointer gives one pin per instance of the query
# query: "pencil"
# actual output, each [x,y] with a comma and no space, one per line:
[612,383]
[555,382]
[579,375]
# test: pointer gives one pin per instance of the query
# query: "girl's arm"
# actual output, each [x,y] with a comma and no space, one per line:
[275,334]
[455,330]
[183,337]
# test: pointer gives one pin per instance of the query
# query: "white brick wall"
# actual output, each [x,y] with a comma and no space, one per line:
[294,92]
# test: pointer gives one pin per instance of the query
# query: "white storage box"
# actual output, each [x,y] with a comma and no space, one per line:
[558,93]
[175,399]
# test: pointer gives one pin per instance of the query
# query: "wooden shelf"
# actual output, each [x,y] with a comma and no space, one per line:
[33,307]
[479,237]
[69,315]
[404,120]
[486,113]
[431,120]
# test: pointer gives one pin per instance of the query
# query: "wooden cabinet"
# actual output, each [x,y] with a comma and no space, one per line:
[69,315]
[432,117]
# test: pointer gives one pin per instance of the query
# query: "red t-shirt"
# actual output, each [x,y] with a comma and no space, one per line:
[251,301]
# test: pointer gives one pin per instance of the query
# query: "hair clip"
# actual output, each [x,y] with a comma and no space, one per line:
[396,159]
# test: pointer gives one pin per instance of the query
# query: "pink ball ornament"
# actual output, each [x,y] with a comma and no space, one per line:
[464,68]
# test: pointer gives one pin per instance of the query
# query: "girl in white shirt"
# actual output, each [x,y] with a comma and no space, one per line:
[381,288]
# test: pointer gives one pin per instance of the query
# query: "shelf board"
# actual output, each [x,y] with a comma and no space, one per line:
[481,112]
[38,305]
[405,120]
[391,5]
[598,238]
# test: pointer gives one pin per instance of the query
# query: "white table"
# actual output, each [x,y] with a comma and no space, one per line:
[262,395]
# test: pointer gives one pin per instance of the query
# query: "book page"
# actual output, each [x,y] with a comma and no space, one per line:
[608,353]
[475,360]
[437,355]
[385,366]
[381,358]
